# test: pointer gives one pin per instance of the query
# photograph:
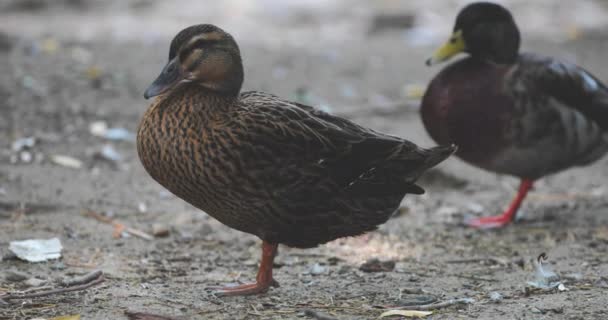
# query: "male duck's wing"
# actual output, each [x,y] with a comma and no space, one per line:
[570,84]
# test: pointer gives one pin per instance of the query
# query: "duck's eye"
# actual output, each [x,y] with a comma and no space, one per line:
[453,40]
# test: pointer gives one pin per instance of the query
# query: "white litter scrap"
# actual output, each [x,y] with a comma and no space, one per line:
[23,143]
[36,250]
[101,129]
[66,161]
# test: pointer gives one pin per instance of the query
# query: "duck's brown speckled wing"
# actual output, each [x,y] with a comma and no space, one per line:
[312,177]
[560,116]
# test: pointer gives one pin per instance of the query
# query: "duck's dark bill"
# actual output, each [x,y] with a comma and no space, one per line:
[170,76]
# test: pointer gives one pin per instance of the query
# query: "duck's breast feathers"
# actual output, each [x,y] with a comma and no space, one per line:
[466,104]
[567,83]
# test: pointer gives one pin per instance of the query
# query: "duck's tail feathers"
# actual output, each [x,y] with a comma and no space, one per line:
[436,155]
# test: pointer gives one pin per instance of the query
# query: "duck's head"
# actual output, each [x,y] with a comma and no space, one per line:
[484,30]
[202,54]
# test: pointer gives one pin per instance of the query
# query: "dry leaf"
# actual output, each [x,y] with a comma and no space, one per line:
[406,313]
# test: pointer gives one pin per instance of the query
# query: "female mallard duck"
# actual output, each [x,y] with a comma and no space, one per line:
[283,171]
[519,114]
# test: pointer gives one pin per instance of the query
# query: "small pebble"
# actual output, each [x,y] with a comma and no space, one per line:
[317,269]
[58,266]
[375,265]
[160,230]
[142,208]
[35,282]
[495,296]
[15,276]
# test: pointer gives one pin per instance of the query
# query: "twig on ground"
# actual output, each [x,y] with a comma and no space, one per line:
[318,315]
[146,316]
[470,277]
[435,306]
[118,227]
[92,279]
[477,260]
[83,279]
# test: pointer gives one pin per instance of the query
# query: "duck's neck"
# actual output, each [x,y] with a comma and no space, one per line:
[229,86]
[499,45]
[228,81]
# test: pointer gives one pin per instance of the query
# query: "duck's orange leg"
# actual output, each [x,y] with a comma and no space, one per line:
[509,215]
[264,278]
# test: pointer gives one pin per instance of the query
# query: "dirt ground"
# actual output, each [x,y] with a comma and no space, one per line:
[73,63]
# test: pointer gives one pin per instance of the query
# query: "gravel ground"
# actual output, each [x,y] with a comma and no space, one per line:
[65,65]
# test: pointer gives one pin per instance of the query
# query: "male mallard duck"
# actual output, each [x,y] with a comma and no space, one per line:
[519,114]
[283,171]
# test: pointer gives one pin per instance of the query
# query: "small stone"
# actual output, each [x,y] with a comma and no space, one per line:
[375,265]
[25,156]
[15,276]
[142,207]
[160,230]
[536,310]
[317,269]
[495,296]
[35,282]
[58,266]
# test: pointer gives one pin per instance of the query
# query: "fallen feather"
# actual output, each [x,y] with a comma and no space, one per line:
[544,278]
[36,250]
[405,313]
[66,161]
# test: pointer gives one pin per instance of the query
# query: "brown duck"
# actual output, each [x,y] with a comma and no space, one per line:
[524,115]
[283,171]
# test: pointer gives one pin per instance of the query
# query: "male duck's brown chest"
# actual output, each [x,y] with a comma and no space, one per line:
[470,109]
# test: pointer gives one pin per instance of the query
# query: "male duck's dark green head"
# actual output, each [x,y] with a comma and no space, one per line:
[484,30]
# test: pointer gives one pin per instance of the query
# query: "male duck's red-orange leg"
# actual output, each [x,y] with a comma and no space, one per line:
[264,278]
[509,215]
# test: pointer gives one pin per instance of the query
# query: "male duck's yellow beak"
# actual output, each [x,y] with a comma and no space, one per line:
[454,46]
[169,77]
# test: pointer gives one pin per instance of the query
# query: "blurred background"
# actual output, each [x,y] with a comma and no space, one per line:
[72,76]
